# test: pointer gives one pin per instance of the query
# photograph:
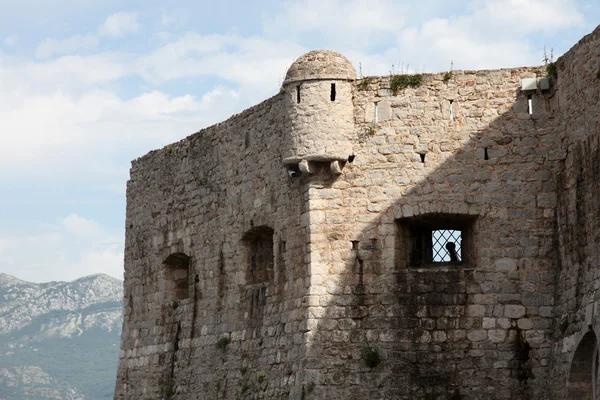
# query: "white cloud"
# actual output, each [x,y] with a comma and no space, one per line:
[119,24]
[68,250]
[172,19]
[377,34]
[11,40]
[98,132]
[82,227]
[251,61]
[356,22]
[531,15]
[50,47]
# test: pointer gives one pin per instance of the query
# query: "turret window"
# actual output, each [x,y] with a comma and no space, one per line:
[332,94]
[298,94]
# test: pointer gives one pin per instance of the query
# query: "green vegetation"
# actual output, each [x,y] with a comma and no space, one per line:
[371,356]
[550,64]
[448,75]
[223,342]
[401,82]
[260,376]
[364,83]
[310,386]
[167,391]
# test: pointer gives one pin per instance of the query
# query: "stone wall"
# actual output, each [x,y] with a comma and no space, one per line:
[207,197]
[477,330]
[578,210]
[263,264]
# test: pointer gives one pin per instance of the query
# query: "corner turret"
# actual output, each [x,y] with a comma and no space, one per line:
[320,112]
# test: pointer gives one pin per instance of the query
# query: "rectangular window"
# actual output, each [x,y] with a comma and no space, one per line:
[446,245]
[435,240]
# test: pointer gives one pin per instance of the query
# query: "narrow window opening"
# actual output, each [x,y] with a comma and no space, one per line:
[422,155]
[376,112]
[529,104]
[247,140]
[298,94]
[351,158]
[354,244]
[451,110]
[177,270]
[259,256]
[332,94]
[361,272]
[485,154]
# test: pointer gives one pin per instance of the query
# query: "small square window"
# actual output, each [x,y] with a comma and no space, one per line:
[446,245]
[435,240]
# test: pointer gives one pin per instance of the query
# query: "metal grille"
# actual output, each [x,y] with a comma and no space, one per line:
[439,240]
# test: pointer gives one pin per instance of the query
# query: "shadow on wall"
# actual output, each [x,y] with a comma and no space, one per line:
[475,327]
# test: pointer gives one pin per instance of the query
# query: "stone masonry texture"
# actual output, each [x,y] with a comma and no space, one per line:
[286,253]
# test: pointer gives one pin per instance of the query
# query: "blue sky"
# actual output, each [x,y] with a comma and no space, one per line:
[88,85]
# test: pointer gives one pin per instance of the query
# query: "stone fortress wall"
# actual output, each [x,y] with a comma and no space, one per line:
[286,253]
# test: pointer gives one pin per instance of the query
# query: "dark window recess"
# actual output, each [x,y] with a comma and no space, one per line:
[351,158]
[422,157]
[177,272]
[259,255]
[332,94]
[485,154]
[584,369]
[247,140]
[297,94]
[435,239]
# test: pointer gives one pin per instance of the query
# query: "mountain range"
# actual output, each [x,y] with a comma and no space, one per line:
[59,340]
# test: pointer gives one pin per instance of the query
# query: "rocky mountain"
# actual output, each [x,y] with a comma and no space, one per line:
[59,340]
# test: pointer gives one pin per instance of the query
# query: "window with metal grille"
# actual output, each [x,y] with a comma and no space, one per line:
[446,245]
[435,240]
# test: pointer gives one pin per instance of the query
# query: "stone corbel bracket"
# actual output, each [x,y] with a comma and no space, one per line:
[307,164]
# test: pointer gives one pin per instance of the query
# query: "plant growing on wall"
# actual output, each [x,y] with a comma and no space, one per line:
[448,75]
[371,357]
[223,342]
[400,82]
[365,82]
[549,63]
[167,391]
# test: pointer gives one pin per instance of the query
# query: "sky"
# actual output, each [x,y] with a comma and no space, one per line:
[86,86]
